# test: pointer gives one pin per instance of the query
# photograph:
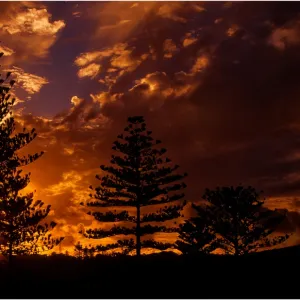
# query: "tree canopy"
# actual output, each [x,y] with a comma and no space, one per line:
[196,235]
[21,231]
[144,182]
[239,220]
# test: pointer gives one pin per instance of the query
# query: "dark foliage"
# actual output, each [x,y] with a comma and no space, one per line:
[196,234]
[139,177]
[21,231]
[239,220]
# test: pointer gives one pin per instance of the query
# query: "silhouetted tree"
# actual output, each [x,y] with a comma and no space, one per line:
[83,252]
[240,222]
[20,216]
[139,178]
[196,235]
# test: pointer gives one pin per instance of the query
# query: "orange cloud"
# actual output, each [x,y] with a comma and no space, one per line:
[118,20]
[6,51]
[200,64]
[76,14]
[68,181]
[115,26]
[76,100]
[92,70]
[198,7]
[285,36]
[118,57]
[169,11]
[29,82]
[231,31]
[156,88]
[184,91]
[104,97]
[89,57]
[126,62]
[29,30]
[169,48]
[33,21]
[188,40]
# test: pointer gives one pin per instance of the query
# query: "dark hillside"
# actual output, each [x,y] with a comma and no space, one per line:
[269,274]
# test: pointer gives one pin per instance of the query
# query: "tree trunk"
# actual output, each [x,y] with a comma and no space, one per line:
[138,230]
[236,247]
[10,247]
[138,207]
[10,256]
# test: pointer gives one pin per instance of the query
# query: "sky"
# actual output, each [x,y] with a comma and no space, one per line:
[217,82]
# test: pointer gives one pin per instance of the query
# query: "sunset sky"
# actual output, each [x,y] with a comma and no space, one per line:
[217,82]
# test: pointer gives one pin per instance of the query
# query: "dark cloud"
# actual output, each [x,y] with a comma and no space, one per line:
[224,100]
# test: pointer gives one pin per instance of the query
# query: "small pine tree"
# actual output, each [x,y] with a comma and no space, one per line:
[139,178]
[240,222]
[21,230]
[196,234]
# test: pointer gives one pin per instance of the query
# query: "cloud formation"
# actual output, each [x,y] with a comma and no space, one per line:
[33,21]
[29,82]
[218,88]
[27,29]
[6,51]
[115,62]
[286,36]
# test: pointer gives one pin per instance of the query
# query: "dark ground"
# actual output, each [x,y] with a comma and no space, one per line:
[269,274]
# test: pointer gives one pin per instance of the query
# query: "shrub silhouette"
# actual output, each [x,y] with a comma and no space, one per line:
[139,178]
[240,222]
[20,217]
[196,235]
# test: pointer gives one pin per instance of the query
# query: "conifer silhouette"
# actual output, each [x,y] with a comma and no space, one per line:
[240,222]
[196,234]
[139,178]
[20,216]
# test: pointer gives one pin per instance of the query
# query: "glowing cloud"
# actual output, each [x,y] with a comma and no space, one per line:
[120,60]
[200,64]
[6,51]
[29,82]
[283,37]
[125,61]
[169,11]
[29,29]
[91,70]
[76,100]
[33,21]
[188,40]
[70,181]
[104,97]
[231,31]
[89,57]
[169,48]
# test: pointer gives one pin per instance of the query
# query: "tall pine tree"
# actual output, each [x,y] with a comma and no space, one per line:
[141,179]
[239,220]
[21,231]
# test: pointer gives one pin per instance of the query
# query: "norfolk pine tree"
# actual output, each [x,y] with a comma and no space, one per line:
[240,222]
[139,178]
[20,217]
[196,234]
